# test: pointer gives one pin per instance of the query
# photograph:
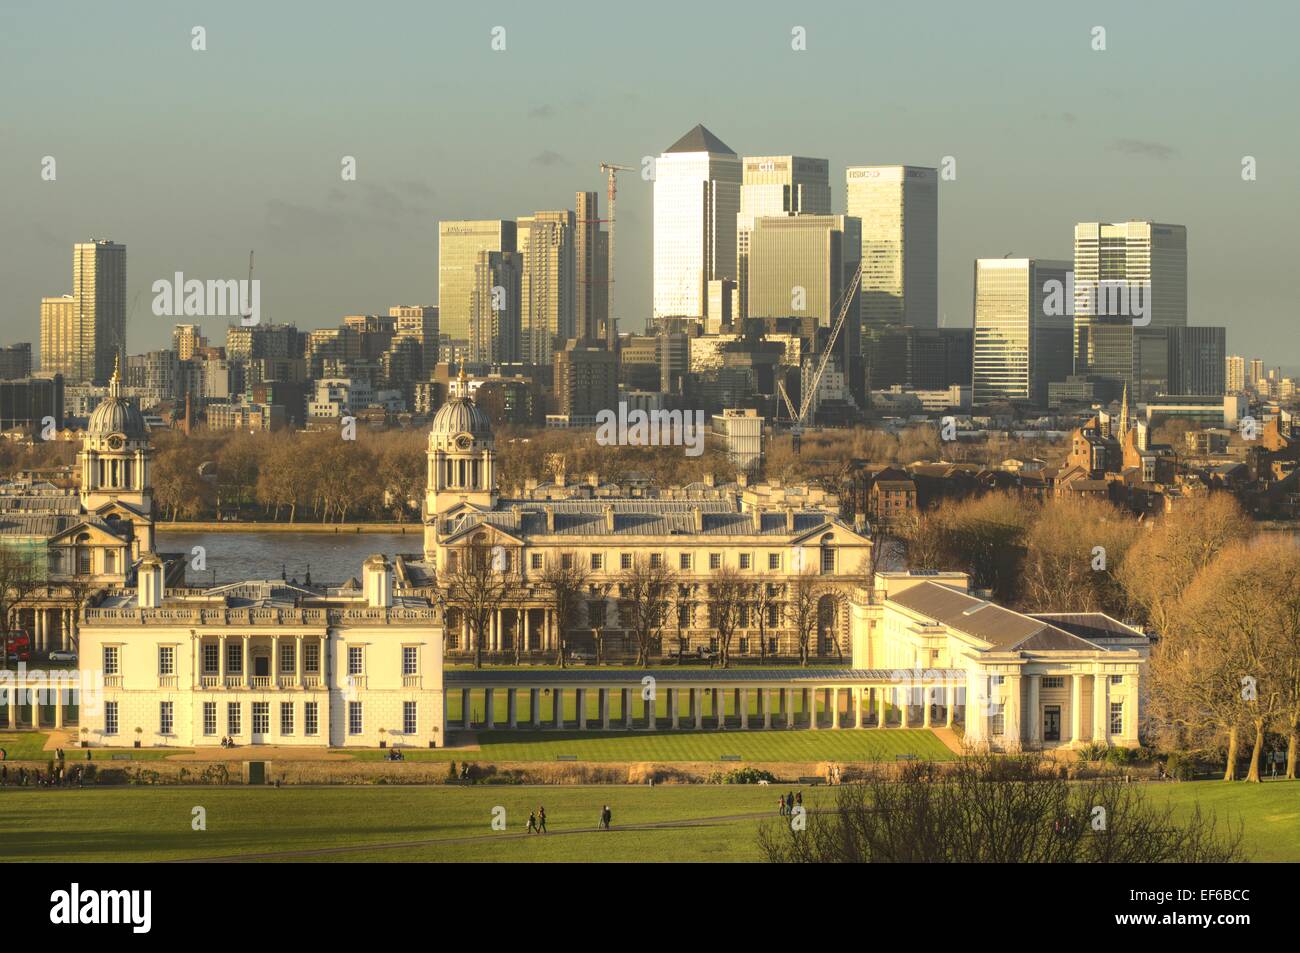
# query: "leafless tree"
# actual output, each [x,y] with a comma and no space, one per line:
[474,584]
[803,610]
[21,574]
[565,580]
[726,593]
[644,592]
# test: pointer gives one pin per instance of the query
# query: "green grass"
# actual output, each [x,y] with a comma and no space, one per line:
[149,824]
[30,745]
[668,745]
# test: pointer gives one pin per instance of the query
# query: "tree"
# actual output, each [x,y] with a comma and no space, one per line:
[726,592]
[21,574]
[473,584]
[176,482]
[644,589]
[597,609]
[803,609]
[402,476]
[767,601]
[565,579]
[997,809]
[1074,554]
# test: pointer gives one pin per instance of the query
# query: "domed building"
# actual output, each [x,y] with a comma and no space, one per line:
[116,457]
[461,462]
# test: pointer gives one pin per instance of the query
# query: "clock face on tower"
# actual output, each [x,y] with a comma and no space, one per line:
[116,442]
[464,442]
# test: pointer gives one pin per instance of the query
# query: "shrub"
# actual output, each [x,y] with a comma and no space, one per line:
[747,776]
[1181,765]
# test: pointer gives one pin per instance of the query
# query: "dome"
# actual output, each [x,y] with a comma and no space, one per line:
[116,415]
[461,415]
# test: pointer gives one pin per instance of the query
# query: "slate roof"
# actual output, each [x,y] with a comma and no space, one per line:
[471,677]
[46,525]
[700,139]
[1000,627]
[1090,625]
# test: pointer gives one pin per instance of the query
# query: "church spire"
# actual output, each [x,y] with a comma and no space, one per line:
[115,382]
[1123,415]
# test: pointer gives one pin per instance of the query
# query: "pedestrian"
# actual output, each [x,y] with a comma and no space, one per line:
[798,799]
[532,822]
[789,802]
[780,806]
[605,816]
[541,820]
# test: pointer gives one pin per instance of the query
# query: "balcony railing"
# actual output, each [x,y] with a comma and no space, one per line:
[411,681]
[234,681]
[311,680]
[260,681]
[112,681]
[166,681]
[209,681]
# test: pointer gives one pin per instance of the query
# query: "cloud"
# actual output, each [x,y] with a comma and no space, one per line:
[1143,147]
[548,157]
[544,111]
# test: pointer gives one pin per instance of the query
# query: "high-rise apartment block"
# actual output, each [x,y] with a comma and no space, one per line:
[548,292]
[459,247]
[1020,347]
[696,201]
[591,268]
[83,335]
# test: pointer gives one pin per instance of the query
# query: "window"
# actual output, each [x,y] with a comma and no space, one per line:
[110,718]
[164,718]
[624,560]
[234,723]
[997,679]
[408,718]
[1117,718]
[311,725]
[684,561]
[211,658]
[566,560]
[535,560]
[656,560]
[773,560]
[288,652]
[209,718]
[715,560]
[744,560]
[683,617]
[286,718]
[261,718]
[828,559]
[744,646]
[234,658]
[311,657]
[354,718]
[166,660]
[356,657]
[111,660]
[410,660]
[998,719]
[597,561]
[1053,681]
[1117,679]
[773,614]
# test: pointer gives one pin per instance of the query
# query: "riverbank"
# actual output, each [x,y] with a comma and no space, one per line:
[329,529]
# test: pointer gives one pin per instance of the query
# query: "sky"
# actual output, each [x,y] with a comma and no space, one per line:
[192,158]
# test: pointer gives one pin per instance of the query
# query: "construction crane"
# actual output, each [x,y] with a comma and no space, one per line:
[810,387]
[612,170]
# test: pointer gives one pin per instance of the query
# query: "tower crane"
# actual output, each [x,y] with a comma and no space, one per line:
[810,389]
[612,170]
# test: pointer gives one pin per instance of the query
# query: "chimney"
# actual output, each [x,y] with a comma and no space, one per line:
[698,515]
[149,582]
[559,477]
[609,518]
[593,479]
[789,520]
[710,479]
[377,582]
[550,519]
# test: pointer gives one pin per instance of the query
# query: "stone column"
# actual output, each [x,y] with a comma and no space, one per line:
[651,715]
[604,708]
[299,674]
[1033,718]
[1011,706]
[950,704]
[720,708]
[557,700]
[466,712]
[905,699]
[786,706]
[626,696]
[221,659]
[744,708]
[247,675]
[697,708]
[857,707]
[833,695]
[12,703]
[58,707]
[1101,707]
[926,692]
[487,709]
[880,707]
[1076,708]
[512,712]
[673,704]
[580,699]
[535,706]
[765,699]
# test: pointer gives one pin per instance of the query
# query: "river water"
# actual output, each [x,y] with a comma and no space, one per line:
[331,558]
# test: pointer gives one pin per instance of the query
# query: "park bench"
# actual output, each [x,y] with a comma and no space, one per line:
[729,757]
[812,781]
[120,757]
[905,757]
[566,757]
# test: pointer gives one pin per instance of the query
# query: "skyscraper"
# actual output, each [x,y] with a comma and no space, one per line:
[548,284]
[591,267]
[696,201]
[1128,276]
[83,336]
[899,209]
[1196,361]
[773,186]
[495,308]
[1235,373]
[459,245]
[61,340]
[1019,347]
[186,340]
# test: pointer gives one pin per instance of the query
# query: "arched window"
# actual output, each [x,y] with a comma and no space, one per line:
[828,555]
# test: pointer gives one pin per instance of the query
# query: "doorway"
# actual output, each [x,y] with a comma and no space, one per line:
[1052,723]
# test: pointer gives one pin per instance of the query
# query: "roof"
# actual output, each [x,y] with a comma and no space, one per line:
[700,139]
[472,677]
[1090,625]
[986,621]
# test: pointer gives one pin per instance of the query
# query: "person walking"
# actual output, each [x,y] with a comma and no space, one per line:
[532,822]
[541,820]
[605,817]
[789,803]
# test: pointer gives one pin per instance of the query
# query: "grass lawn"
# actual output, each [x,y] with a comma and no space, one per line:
[668,745]
[454,824]
[29,746]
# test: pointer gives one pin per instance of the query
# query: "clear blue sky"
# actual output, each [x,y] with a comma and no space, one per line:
[193,158]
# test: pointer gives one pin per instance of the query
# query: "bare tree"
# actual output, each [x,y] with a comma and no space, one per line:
[767,600]
[802,609]
[473,584]
[597,609]
[565,580]
[644,591]
[21,574]
[726,592]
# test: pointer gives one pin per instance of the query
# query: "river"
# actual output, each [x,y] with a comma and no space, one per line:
[332,559]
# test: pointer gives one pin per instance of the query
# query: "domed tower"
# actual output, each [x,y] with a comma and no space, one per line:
[462,459]
[115,457]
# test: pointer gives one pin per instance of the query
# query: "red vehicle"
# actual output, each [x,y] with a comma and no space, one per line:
[18,646]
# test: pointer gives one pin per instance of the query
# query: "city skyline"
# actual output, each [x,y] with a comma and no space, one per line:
[323,251]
